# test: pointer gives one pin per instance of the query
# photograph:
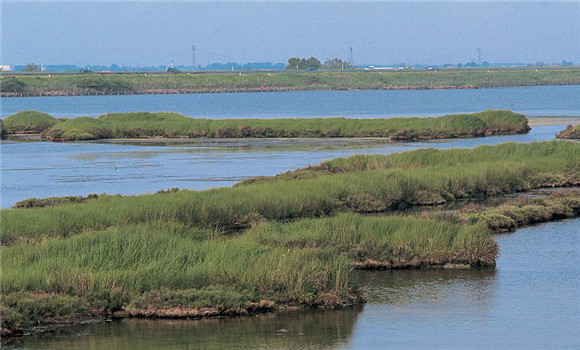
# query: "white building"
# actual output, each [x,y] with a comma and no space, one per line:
[5,68]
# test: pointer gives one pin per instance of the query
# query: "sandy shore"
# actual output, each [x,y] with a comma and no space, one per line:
[538,121]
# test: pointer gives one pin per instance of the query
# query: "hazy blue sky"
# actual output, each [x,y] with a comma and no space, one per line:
[156,33]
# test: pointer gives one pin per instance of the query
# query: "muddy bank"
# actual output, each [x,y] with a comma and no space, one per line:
[218,90]
[425,264]
[570,133]
[49,325]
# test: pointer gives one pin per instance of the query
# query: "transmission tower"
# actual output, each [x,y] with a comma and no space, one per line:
[479,57]
[193,66]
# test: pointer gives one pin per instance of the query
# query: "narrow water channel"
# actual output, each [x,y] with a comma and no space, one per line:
[46,169]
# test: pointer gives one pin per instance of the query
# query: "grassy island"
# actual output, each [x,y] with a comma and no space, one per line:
[571,132]
[173,125]
[288,240]
[211,82]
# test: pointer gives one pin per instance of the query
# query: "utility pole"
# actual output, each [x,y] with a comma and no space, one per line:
[350,57]
[193,57]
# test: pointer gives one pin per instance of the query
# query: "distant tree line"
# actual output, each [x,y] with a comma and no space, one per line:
[313,63]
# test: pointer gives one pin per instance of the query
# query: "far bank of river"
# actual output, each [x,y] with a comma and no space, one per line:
[289,80]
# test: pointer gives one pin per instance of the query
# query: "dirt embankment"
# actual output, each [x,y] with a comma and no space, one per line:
[571,133]
[217,90]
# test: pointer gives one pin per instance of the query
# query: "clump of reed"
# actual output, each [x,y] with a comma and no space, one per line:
[131,267]
[53,201]
[385,241]
[173,125]
[514,214]
[28,122]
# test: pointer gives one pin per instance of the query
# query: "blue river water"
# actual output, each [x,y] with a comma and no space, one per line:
[531,101]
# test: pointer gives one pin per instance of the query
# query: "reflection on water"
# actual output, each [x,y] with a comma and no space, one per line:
[45,169]
[529,301]
[308,330]
[403,287]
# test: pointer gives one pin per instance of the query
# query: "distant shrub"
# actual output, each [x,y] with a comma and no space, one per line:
[29,122]
[12,84]
[3,131]
[102,84]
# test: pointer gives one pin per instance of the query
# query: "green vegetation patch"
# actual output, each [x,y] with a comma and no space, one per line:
[174,125]
[28,122]
[170,270]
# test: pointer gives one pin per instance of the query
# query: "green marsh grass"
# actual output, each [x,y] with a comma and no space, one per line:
[174,125]
[518,213]
[150,268]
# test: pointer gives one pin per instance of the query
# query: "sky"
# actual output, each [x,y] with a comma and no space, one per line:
[134,33]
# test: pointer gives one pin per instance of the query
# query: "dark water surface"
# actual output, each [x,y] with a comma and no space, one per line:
[45,169]
[529,302]
[531,101]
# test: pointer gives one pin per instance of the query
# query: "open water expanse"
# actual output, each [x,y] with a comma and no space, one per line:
[531,101]
[530,300]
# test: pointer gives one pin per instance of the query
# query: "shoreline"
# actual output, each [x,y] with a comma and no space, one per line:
[209,90]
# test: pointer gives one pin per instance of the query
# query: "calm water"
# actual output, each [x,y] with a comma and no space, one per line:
[529,302]
[532,101]
[45,169]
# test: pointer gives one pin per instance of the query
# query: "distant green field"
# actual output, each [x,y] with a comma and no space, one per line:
[141,83]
